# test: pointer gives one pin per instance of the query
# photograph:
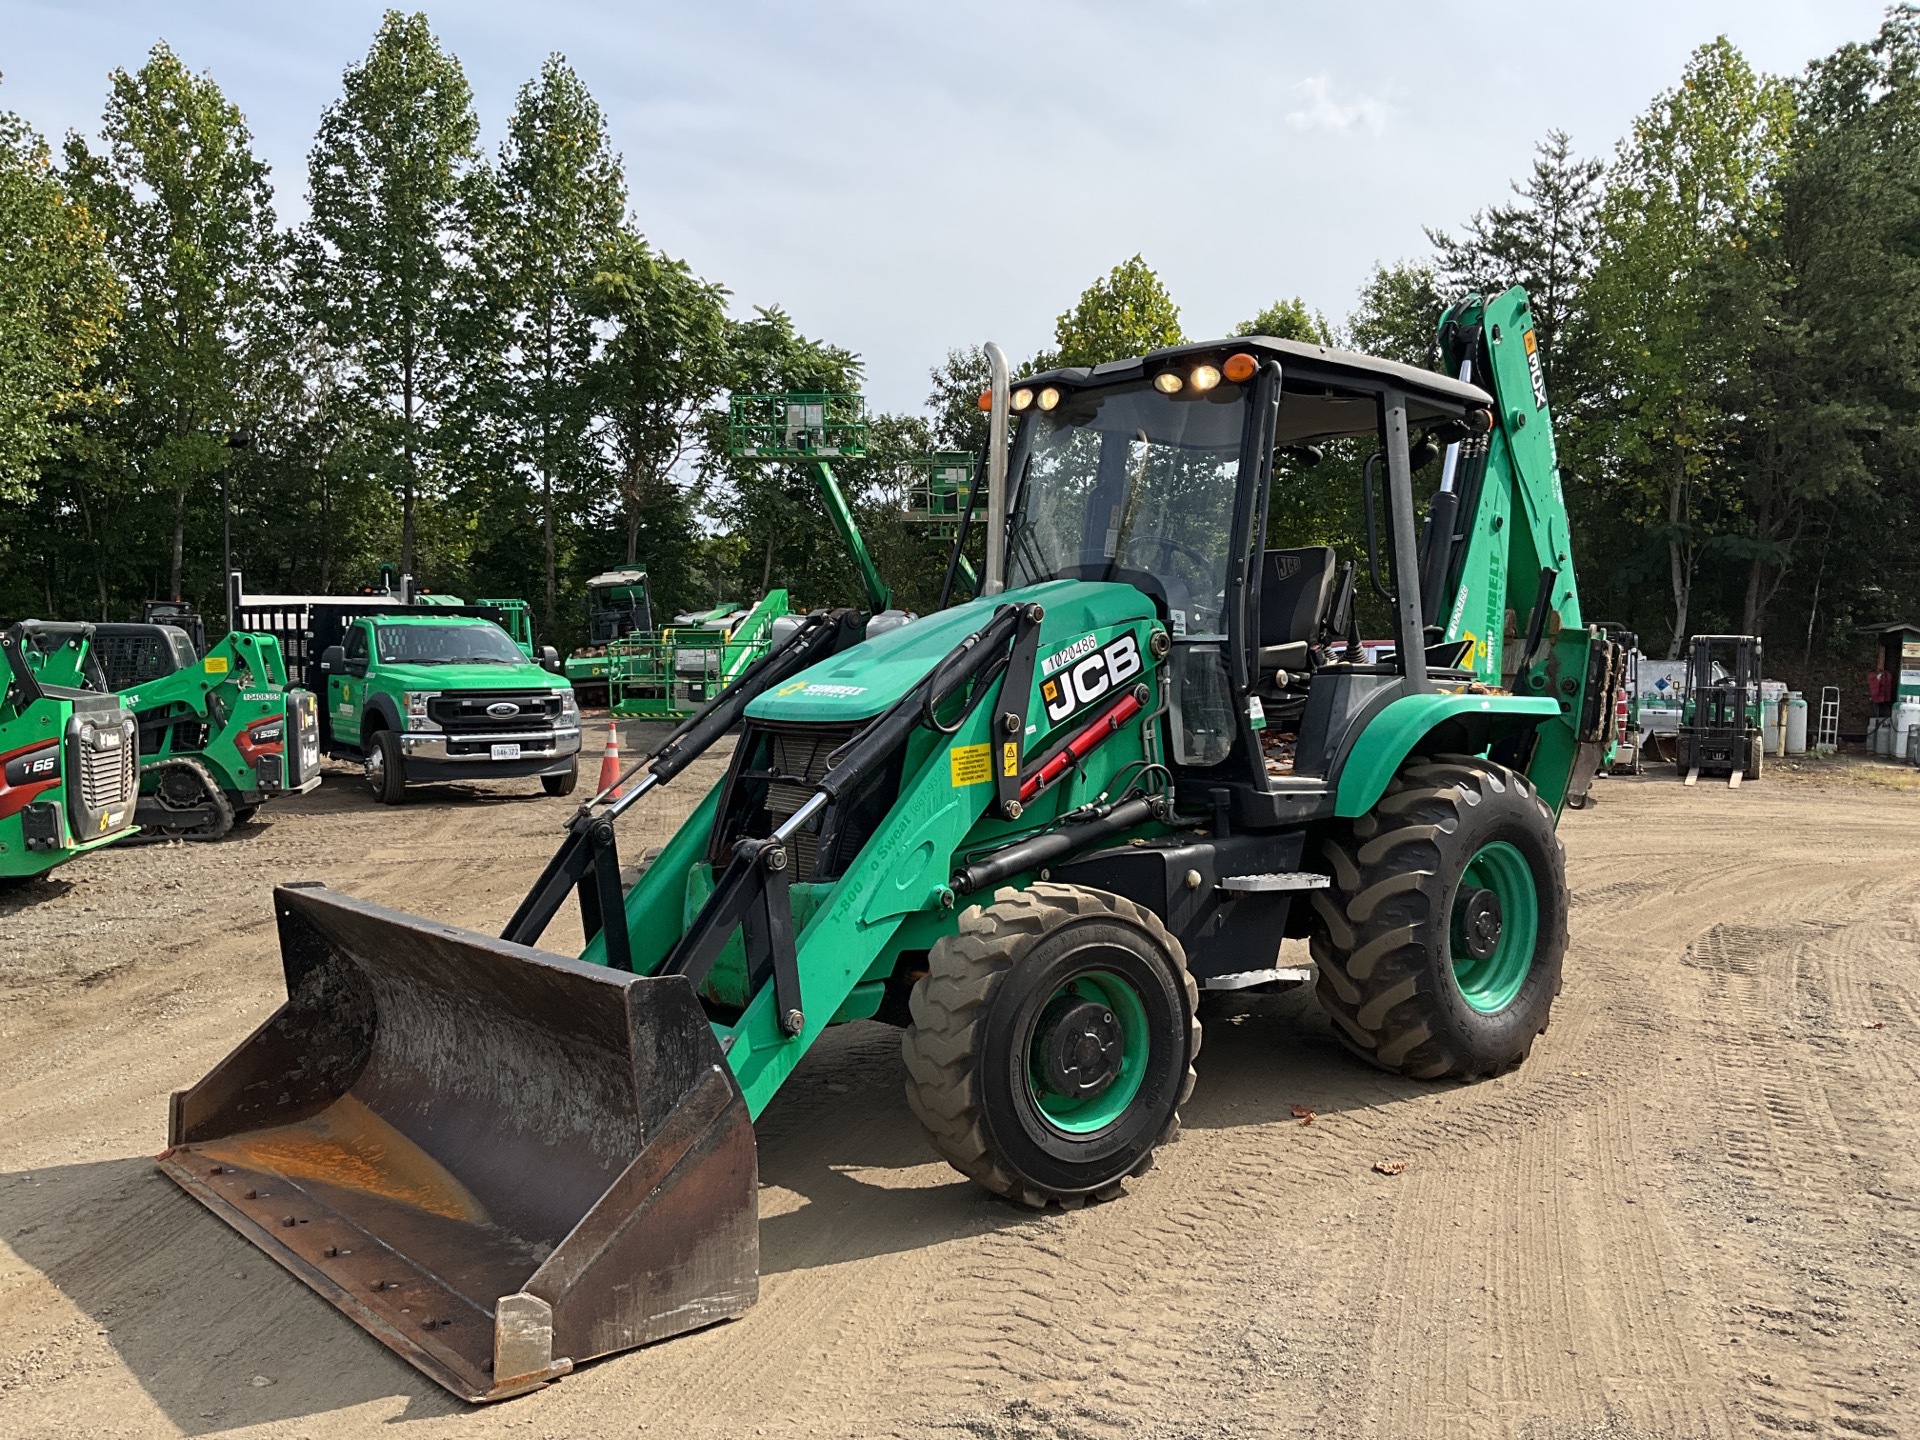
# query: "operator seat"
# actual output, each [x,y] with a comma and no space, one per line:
[1296,589]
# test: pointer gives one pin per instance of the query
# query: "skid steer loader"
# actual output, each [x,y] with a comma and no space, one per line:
[220,734]
[1028,829]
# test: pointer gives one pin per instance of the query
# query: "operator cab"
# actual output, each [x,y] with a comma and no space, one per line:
[1173,473]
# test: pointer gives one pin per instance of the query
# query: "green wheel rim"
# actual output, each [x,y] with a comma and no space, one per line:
[1489,985]
[1077,1115]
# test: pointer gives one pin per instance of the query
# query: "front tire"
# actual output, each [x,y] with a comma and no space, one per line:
[564,782]
[1439,945]
[1052,1043]
[386,768]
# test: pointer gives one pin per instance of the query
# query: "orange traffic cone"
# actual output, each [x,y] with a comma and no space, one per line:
[610,763]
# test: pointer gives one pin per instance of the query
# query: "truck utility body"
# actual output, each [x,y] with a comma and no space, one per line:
[426,692]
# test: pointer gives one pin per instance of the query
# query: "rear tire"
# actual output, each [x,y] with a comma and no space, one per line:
[1440,944]
[563,783]
[1052,1043]
[386,768]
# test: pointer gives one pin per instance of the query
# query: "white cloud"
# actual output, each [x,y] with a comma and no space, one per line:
[1323,110]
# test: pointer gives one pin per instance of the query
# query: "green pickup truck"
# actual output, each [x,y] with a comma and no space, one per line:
[426,692]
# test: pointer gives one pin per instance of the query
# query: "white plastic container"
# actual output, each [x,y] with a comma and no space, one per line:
[1879,734]
[1906,714]
[1796,723]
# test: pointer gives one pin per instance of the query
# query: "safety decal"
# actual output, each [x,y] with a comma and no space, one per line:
[216,664]
[972,765]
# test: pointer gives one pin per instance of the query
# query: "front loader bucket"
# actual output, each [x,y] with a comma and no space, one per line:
[498,1161]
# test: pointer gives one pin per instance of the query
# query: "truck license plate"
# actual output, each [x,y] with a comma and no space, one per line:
[506,752]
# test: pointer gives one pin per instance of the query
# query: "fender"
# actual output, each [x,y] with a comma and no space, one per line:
[1387,741]
[379,705]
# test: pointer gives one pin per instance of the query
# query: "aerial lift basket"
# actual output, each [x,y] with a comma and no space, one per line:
[497,1161]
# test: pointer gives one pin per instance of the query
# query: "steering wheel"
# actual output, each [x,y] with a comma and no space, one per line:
[1170,546]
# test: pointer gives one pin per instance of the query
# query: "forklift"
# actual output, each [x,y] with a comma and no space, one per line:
[1720,713]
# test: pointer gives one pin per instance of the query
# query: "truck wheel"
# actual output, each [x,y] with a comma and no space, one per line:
[1052,1042]
[563,783]
[1440,944]
[386,768]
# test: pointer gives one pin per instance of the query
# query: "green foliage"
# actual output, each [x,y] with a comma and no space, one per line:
[188,214]
[1289,320]
[395,181]
[1127,313]
[59,302]
[665,365]
[1399,314]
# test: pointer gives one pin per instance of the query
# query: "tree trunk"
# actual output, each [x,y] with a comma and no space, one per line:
[407,476]
[179,542]
[1679,556]
[766,570]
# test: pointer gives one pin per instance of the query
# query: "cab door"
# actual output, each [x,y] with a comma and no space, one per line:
[347,691]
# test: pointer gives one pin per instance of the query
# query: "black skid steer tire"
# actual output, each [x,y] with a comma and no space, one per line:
[978,1046]
[1388,935]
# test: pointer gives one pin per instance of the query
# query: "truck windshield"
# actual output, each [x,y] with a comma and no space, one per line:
[1126,483]
[477,643]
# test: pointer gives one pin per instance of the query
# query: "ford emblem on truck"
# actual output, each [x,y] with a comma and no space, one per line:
[500,709]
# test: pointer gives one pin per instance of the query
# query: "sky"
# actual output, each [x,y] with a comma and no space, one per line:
[904,178]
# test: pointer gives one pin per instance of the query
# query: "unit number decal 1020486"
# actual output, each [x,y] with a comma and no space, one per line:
[1086,679]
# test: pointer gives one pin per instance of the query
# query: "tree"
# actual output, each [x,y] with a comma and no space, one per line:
[665,362]
[1691,181]
[59,302]
[560,198]
[188,215]
[392,181]
[1127,313]
[1398,316]
[774,509]
[1545,243]
[1289,320]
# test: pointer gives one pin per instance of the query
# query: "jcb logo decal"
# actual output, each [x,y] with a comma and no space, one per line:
[1086,680]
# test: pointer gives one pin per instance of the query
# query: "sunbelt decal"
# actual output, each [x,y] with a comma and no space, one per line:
[835,692]
[1081,677]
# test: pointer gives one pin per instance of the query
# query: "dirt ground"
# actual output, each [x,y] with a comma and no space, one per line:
[1692,1213]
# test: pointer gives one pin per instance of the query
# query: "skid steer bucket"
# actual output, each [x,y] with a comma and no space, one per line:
[497,1161]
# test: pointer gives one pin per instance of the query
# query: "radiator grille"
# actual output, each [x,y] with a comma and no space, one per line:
[465,712]
[800,757]
[106,776]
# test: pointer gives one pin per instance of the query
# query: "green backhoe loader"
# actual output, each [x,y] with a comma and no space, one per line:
[220,734]
[1028,830]
[67,767]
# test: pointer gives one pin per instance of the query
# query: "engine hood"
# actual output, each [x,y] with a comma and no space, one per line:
[858,684]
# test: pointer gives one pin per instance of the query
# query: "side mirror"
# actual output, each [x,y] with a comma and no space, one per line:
[550,659]
[333,660]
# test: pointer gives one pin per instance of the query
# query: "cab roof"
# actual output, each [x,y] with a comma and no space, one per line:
[1302,365]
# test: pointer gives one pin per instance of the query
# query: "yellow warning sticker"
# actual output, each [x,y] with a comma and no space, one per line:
[216,664]
[1010,758]
[972,765]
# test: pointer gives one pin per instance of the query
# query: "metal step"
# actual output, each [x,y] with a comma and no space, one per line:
[1246,979]
[1262,884]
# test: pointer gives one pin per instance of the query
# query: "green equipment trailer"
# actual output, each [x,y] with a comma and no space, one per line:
[1028,830]
[671,674]
[220,734]
[68,774]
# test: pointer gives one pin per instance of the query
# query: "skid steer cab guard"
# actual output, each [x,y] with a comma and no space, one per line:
[1028,829]
[496,1160]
